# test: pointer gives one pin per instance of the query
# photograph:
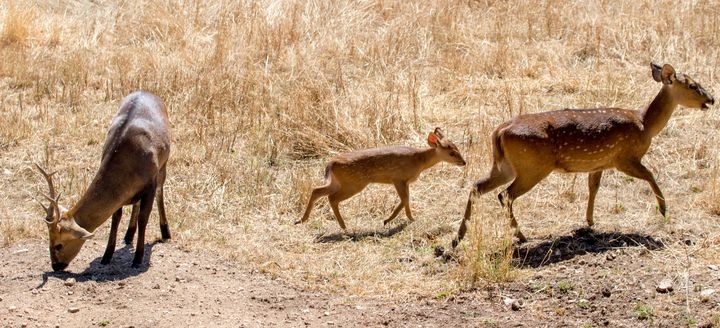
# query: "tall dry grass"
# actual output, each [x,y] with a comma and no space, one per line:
[261,93]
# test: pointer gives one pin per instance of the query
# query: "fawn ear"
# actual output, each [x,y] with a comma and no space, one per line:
[667,74]
[439,134]
[432,140]
[656,69]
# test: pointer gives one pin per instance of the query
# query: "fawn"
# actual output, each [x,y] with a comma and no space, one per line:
[348,174]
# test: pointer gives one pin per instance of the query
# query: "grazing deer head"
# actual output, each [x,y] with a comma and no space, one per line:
[66,236]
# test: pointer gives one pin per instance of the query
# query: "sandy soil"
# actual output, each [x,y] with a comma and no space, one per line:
[588,279]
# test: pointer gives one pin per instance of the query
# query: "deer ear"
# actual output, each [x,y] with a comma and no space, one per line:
[77,231]
[667,74]
[432,140]
[656,69]
[439,133]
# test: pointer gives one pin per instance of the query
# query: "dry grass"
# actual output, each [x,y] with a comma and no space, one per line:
[261,93]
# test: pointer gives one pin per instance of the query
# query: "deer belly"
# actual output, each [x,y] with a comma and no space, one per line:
[569,164]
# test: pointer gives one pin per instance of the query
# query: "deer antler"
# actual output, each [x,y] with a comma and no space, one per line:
[53,211]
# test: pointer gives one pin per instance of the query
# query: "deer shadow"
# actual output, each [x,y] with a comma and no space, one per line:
[118,269]
[360,235]
[582,241]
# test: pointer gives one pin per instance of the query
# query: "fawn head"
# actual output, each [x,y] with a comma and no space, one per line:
[446,150]
[65,235]
[683,88]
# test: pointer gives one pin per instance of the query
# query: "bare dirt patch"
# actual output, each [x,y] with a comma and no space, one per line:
[587,279]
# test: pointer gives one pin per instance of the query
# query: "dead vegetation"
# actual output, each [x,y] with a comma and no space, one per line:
[260,93]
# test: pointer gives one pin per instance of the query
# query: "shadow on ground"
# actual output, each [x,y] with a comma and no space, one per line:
[360,235]
[582,241]
[118,269]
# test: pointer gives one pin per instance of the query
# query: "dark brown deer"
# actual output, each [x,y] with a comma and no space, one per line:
[132,171]
[348,174]
[529,147]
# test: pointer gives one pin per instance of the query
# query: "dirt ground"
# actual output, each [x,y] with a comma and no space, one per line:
[584,279]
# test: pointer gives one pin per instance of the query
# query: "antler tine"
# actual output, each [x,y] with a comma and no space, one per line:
[46,208]
[53,210]
[48,177]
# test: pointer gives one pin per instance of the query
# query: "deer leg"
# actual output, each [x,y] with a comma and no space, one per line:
[112,239]
[593,186]
[521,185]
[334,205]
[132,225]
[146,203]
[637,170]
[160,200]
[343,193]
[403,191]
[496,178]
[330,188]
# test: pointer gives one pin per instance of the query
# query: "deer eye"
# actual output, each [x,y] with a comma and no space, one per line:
[693,86]
[58,247]
[453,153]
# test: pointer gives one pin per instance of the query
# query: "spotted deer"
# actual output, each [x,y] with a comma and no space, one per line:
[348,174]
[529,147]
[132,172]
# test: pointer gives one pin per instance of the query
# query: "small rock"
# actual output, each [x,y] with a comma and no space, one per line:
[610,256]
[508,300]
[326,313]
[34,292]
[74,310]
[157,286]
[122,284]
[514,304]
[706,294]
[12,308]
[713,267]
[70,292]
[70,282]
[665,286]
[606,292]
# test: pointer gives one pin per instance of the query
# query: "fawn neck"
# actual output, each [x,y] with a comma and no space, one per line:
[658,112]
[428,158]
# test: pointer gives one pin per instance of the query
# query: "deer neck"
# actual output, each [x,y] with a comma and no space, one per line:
[428,158]
[658,112]
[96,205]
